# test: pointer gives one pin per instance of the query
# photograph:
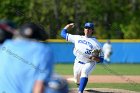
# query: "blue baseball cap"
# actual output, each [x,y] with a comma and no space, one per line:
[89,25]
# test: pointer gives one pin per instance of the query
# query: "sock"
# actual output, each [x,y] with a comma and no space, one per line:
[83,83]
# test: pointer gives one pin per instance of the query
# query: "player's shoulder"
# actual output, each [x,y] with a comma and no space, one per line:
[6,43]
[94,38]
[75,36]
[81,37]
[42,48]
[43,45]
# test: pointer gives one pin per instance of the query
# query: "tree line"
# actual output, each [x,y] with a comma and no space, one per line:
[113,19]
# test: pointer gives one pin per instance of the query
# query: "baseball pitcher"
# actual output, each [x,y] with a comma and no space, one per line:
[87,50]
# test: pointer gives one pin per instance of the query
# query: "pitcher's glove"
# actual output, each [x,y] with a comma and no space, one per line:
[96,56]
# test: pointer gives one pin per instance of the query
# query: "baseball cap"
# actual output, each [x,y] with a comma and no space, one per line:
[33,31]
[89,25]
[57,85]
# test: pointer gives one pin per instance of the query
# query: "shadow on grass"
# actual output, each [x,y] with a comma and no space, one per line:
[95,91]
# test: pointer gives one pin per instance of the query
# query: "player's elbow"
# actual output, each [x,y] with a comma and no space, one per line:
[63,33]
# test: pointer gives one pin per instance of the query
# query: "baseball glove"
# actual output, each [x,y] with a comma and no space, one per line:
[95,55]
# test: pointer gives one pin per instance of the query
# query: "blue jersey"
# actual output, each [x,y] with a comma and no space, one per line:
[22,62]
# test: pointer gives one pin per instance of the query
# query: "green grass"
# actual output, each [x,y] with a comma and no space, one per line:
[111,69]
[131,87]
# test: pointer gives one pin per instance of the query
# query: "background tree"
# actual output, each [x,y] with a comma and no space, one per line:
[114,19]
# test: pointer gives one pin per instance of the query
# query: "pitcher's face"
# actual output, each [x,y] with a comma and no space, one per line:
[88,31]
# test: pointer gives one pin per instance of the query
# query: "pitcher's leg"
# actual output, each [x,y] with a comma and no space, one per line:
[87,69]
[77,71]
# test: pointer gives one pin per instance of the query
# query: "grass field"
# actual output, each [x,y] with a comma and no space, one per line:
[121,69]
[111,85]
[124,69]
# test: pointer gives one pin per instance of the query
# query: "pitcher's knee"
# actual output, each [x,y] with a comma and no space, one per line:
[83,74]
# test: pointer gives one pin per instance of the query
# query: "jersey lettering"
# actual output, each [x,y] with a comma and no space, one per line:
[86,43]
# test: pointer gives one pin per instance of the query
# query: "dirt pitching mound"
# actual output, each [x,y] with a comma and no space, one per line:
[102,90]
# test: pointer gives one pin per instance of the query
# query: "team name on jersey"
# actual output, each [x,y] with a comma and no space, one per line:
[86,43]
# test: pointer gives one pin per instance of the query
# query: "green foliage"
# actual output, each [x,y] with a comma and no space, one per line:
[115,19]
[132,30]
